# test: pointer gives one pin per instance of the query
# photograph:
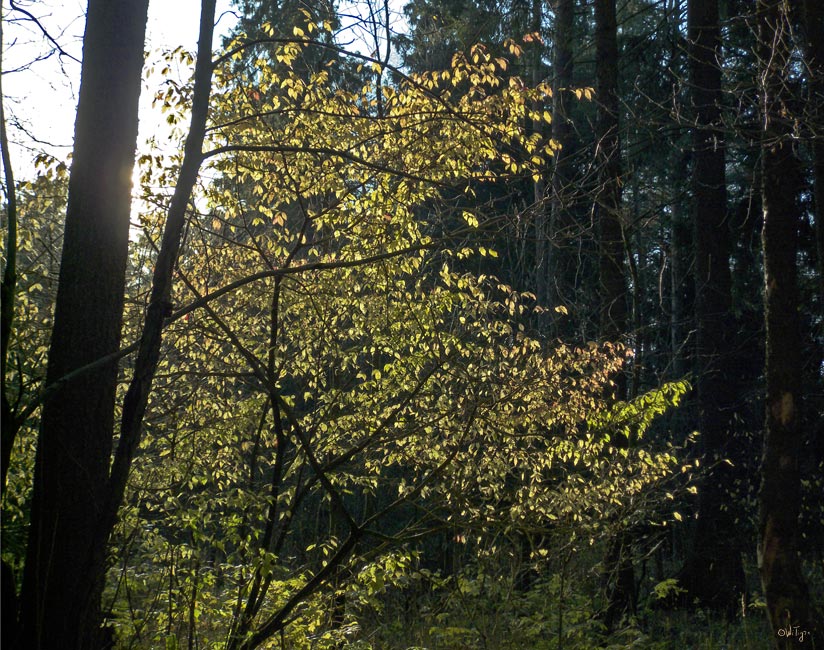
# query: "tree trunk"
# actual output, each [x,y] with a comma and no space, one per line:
[681,248]
[814,55]
[788,601]
[619,573]
[540,223]
[60,594]
[713,573]
[560,288]
[148,353]
[8,287]
[680,291]
[613,299]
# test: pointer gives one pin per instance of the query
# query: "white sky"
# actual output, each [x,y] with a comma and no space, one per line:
[40,86]
[41,95]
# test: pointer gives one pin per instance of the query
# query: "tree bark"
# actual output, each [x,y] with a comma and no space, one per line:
[160,307]
[559,286]
[613,298]
[619,575]
[681,248]
[541,224]
[60,593]
[714,572]
[785,590]
[681,303]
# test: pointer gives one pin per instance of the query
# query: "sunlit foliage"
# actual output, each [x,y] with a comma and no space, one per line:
[334,389]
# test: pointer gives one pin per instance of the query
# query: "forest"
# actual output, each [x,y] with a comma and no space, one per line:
[432,325]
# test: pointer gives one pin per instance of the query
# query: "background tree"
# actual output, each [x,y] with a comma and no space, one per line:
[785,588]
[42,208]
[813,22]
[713,572]
[612,283]
[561,183]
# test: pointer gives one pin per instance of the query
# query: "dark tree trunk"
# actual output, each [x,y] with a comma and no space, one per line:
[814,55]
[681,248]
[60,593]
[563,64]
[541,223]
[680,291]
[613,298]
[619,574]
[8,426]
[559,285]
[713,573]
[785,590]
[148,353]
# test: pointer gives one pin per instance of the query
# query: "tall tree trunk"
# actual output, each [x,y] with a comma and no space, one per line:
[558,282]
[619,578]
[541,224]
[788,601]
[814,55]
[613,298]
[8,288]
[681,249]
[680,280]
[8,428]
[813,21]
[714,572]
[148,353]
[60,593]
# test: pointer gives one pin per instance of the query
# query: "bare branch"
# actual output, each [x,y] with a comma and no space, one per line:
[61,52]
